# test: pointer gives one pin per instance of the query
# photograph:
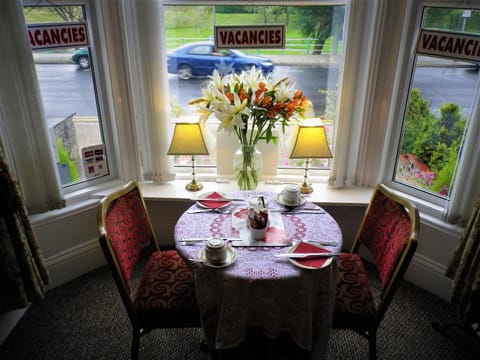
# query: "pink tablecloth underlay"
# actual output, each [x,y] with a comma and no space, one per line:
[259,289]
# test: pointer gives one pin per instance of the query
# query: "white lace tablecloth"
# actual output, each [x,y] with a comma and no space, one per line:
[259,289]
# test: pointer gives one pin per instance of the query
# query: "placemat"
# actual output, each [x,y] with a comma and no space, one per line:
[275,235]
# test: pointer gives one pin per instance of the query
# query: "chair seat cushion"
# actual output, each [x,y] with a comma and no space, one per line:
[354,304]
[166,288]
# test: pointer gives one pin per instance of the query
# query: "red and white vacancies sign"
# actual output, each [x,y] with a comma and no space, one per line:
[248,37]
[48,36]
[450,45]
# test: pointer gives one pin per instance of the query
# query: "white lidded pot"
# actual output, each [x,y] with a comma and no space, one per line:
[216,251]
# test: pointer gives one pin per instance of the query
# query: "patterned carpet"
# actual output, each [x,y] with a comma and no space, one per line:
[84,319]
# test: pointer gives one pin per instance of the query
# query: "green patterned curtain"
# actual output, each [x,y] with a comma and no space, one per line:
[23,273]
[464,268]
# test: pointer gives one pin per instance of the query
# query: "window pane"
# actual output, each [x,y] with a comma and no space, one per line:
[440,102]
[69,98]
[311,59]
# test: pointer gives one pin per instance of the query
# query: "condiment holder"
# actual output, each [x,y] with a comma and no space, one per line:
[258,217]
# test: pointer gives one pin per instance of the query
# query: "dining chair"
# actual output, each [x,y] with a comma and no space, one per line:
[156,287]
[388,232]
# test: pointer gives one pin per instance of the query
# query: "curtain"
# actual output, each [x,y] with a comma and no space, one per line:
[23,127]
[464,268]
[23,273]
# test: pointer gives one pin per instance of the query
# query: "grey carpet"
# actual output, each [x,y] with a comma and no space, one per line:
[85,319]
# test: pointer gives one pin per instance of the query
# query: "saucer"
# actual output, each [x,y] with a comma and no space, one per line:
[212,204]
[311,264]
[231,257]
[280,199]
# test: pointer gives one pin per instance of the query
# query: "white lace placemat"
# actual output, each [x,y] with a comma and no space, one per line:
[275,235]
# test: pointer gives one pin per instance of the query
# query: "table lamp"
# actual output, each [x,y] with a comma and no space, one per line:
[188,139]
[310,143]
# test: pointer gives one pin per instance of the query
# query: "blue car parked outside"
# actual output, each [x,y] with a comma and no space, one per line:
[201,58]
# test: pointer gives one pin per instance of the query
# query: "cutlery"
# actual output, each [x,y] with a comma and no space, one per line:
[319,242]
[220,211]
[297,211]
[224,199]
[305,255]
[305,211]
[205,239]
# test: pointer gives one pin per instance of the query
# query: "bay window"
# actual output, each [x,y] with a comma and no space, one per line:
[390,115]
[434,155]
[311,60]
[64,64]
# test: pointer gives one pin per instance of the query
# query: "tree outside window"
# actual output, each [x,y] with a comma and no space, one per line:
[433,131]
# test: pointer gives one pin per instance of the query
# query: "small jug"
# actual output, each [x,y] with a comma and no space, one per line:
[258,203]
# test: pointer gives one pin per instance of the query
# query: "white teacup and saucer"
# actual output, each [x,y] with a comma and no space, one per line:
[291,196]
[217,253]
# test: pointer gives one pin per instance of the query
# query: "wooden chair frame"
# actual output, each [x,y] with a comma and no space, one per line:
[140,327]
[369,330]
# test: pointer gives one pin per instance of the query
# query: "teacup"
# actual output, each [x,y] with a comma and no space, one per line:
[216,251]
[291,194]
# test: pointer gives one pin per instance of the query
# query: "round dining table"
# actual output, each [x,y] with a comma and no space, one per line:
[258,289]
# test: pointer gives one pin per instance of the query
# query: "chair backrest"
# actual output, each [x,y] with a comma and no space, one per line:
[389,230]
[125,229]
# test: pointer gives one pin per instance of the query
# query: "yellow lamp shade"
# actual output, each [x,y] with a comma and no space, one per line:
[311,143]
[187,139]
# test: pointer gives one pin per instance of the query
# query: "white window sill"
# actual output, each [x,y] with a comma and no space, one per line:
[322,194]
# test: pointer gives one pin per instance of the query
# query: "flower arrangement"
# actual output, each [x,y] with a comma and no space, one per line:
[250,105]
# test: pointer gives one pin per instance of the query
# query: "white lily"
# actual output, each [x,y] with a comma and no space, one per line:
[284,91]
[234,101]
[230,116]
[218,81]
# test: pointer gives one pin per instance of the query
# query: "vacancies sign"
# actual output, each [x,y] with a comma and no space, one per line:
[458,46]
[250,37]
[47,36]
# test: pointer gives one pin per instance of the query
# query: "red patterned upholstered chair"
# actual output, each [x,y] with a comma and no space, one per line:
[156,286]
[389,232]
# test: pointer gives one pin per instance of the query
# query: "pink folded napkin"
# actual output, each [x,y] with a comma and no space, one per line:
[214,204]
[314,263]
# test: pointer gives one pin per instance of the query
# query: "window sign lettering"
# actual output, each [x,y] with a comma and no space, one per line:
[57,36]
[250,37]
[449,44]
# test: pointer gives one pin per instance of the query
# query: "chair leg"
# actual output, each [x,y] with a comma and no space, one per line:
[135,343]
[372,344]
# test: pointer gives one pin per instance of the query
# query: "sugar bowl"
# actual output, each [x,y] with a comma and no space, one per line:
[216,251]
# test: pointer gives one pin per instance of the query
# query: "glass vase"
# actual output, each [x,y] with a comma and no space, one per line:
[247,167]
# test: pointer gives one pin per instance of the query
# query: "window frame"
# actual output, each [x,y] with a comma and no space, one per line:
[282,174]
[364,100]
[429,203]
[100,78]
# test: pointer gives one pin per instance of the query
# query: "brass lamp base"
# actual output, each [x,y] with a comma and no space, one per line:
[194,186]
[306,188]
